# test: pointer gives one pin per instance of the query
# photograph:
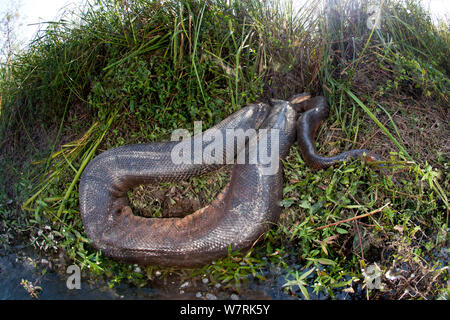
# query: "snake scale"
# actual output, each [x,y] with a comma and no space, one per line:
[245,209]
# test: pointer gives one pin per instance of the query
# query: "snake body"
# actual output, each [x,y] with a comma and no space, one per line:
[245,209]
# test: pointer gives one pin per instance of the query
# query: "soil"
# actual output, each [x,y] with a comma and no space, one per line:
[180,199]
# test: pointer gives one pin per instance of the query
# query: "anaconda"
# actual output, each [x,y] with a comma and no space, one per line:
[246,208]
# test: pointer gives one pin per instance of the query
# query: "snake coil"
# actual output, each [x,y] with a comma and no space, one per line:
[246,208]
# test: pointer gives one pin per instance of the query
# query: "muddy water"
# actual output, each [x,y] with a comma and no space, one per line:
[15,267]
[23,264]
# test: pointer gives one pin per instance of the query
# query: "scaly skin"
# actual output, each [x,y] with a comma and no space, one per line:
[316,111]
[245,209]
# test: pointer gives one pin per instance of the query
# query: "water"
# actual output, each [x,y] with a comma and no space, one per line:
[16,266]
[23,264]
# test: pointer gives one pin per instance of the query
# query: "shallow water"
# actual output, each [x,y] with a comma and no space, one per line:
[14,267]
[24,264]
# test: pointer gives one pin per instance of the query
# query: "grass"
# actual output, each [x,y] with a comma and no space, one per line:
[132,72]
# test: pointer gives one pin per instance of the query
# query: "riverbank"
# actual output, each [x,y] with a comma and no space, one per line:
[132,73]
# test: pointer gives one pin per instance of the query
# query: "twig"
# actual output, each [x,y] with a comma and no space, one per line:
[360,240]
[355,217]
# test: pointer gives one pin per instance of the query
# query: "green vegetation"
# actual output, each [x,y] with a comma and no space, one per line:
[133,71]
